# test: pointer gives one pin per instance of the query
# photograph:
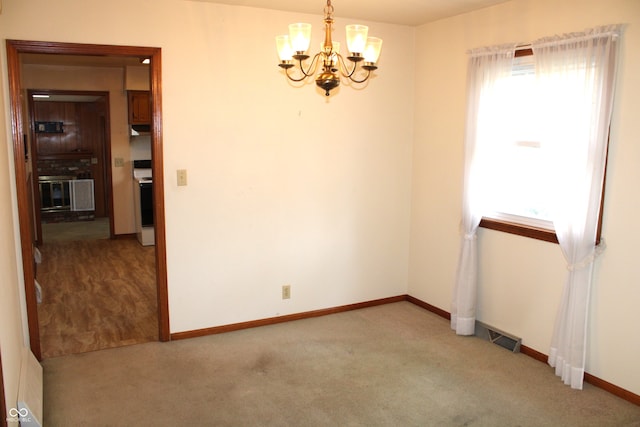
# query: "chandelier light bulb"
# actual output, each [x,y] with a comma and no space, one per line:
[285,51]
[356,38]
[372,50]
[300,36]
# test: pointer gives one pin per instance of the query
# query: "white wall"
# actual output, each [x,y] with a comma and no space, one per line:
[288,187]
[11,332]
[285,185]
[520,278]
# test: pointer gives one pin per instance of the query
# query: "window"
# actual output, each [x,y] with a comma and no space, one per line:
[517,156]
[567,141]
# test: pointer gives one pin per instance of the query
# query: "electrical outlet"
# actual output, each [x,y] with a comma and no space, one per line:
[182,177]
[119,162]
[286,291]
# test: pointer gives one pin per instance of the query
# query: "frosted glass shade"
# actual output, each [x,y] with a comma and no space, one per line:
[285,51]
[300,36]
[372,49]
[356,37]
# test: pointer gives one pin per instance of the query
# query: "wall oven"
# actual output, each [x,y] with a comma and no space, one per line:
[66,193]
[54,193]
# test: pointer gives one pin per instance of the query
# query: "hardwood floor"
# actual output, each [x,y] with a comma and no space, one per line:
[79,230]
[96,294]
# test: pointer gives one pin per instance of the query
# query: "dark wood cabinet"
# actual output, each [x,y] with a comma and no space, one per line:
[139,107]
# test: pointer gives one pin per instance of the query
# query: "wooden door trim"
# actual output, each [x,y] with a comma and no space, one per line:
[33,153]
[3,403]
[14,49]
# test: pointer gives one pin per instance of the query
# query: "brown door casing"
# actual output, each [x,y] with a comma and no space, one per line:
[3,405]
[27,238]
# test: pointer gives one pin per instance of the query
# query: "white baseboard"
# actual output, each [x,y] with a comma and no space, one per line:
[30,391]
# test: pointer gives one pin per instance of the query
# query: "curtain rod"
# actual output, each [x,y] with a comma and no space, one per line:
[523,50]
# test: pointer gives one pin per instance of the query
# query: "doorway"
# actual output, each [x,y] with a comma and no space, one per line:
[71,144]
[24,166]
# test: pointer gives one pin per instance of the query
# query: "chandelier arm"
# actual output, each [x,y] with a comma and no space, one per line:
[344,70]
[293,78]
[349,75]
[363,80]
[313,66]
[308,73]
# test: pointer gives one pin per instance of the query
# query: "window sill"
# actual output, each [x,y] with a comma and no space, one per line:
[519,229]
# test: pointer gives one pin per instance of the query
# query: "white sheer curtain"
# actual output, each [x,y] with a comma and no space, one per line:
[576,75]
[486,67]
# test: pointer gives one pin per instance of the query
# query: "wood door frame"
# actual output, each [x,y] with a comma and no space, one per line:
[106,179]
[3,403]
[14,49]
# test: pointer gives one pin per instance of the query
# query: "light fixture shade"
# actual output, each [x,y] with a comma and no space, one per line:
[372,49]
[356,37]
[300,36]
[285,51]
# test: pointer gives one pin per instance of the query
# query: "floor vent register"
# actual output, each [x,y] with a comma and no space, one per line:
[498,337]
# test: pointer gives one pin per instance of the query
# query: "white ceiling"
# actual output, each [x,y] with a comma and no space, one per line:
[403,12]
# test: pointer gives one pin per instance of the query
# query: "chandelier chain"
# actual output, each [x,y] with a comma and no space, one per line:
[328,10]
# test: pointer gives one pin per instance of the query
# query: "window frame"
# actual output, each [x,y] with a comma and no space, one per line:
[540,233]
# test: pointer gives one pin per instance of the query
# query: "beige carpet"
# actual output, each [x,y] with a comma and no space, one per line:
[391,365]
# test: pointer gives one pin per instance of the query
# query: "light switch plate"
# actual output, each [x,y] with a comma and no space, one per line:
[182,177]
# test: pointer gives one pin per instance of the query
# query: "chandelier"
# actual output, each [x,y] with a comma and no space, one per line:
[363,50]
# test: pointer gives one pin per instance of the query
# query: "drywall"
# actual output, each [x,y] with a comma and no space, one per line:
[11,320]
[521,279]
[285,185]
